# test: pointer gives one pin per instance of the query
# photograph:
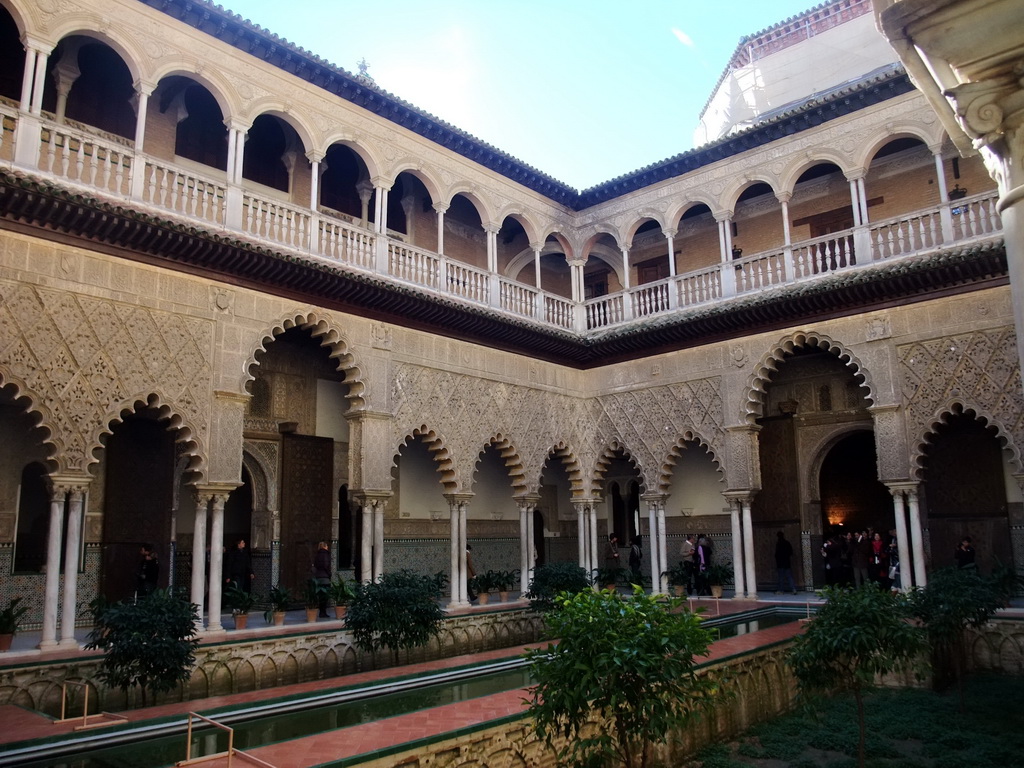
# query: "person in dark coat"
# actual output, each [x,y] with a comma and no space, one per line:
[784,564]
[238,568]
[322,574]
[148,572]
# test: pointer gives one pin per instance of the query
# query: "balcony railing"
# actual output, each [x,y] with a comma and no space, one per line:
[109,167]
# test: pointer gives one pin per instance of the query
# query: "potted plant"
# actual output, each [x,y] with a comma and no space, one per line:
[311,597]
[340,592]
[718,574]
[679,576]
[279,599]
[10,620]
[240,602]
[482,585]
[504,582]
[608,577]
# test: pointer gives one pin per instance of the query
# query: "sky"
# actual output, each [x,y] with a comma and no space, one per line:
[583,90]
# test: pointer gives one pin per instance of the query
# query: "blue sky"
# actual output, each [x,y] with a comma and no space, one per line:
[584,90]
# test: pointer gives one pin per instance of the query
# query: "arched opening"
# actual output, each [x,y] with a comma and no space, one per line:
[198,123]
[12,57]
[33,520]
[964,492]
[238,511]
[695,504]
[648,253]
[810,394]
[272,151]
[539,550]
[852,497]
[757,221]
[418,498]
[696,242]
[411,212]
[138,496]
[821,206]
[98,85]
[599,276]
[464,236]
[345,187]
[492,487]
[297,412]
[622,498]
[555,508]
[512,240]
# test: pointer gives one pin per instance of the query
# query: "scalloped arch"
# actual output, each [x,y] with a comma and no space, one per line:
[20,391]
[570,462]
[605,458]
[194,450]
[956,407]
[436,445]
[770,363]
[513,462]
[668,466]
[330,336]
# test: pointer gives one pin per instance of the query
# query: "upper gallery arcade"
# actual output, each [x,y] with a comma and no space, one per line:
[225,258]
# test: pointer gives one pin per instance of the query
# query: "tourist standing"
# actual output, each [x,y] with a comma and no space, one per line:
[860,558]
[784,565]
[687,553]
[148,571]
[965,555]
[636,556]
[611,552]
[239,567]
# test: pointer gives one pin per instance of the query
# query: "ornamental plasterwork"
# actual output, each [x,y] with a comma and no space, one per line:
[977,369]
[452,404]
[650,421]
[84,357]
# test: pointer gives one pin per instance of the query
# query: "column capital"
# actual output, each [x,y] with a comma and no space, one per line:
[70,483]
[898,489]
[234,124]
[491,228]
[528,499]
[382,182]
[783,197]
[537,247]
[37,45]
[441,207]
[740,495]
[458,498]
[370,497]
[315,155]
[855,174]
[144,87]
[669,232]
[721,216]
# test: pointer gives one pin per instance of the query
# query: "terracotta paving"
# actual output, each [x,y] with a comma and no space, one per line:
[369,738]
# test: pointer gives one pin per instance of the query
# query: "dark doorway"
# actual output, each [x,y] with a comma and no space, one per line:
[138,493]
[307,500]
[852,498]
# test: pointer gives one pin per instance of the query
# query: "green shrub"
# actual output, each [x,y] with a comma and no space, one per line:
[550,579]
[399,611]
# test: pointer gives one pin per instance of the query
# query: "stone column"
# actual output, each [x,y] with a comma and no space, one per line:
[902,545]
[366,543]
[51,587]
[27,137]
[787,237]
[536,248]
[581,536]
[74,542]
[724,220]
[216,563]
[945,215]
[738,570]
[748,549]
[456,557]
[652,538]
[199,554]
[855,199]
[670,237]
[625,268]
[138,170]
[440,208]
[378,539]
[916,537]
[365,190]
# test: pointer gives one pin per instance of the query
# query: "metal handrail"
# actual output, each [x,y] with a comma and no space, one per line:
[109,717]
[230,753]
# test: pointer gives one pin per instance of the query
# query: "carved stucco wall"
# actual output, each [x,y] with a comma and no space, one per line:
[976,369]
[85,359]
[647,422]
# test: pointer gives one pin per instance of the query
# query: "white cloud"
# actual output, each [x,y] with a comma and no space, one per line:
[683,38]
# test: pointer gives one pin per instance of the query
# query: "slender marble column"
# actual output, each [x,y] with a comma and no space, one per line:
[917,539]
[748,550]
[455,541]
[51,588]
[581,543]
[378,540]
[463,546]
[216,563]
[594,552]
[662,548]
[524,546]
[40,80]
[441,209]
[902,545]
[670,237]
[199,556]
[366,545]
[652,538]
[73,545]
[738,571]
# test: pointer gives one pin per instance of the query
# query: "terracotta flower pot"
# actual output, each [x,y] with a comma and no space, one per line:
[339,611]
[279,618]
[5,642]
[503,594]
[483,597]
[311,614]
[241,620]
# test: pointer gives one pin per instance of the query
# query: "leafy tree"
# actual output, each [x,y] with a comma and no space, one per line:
[399,611]
[148,643]
[627,661]
[550,579]
[952,601]
[857,635]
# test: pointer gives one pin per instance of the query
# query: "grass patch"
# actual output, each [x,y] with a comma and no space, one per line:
[907,728]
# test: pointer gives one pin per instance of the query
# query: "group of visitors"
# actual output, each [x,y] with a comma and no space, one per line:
[613,561]
[696,557]
[854,558]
